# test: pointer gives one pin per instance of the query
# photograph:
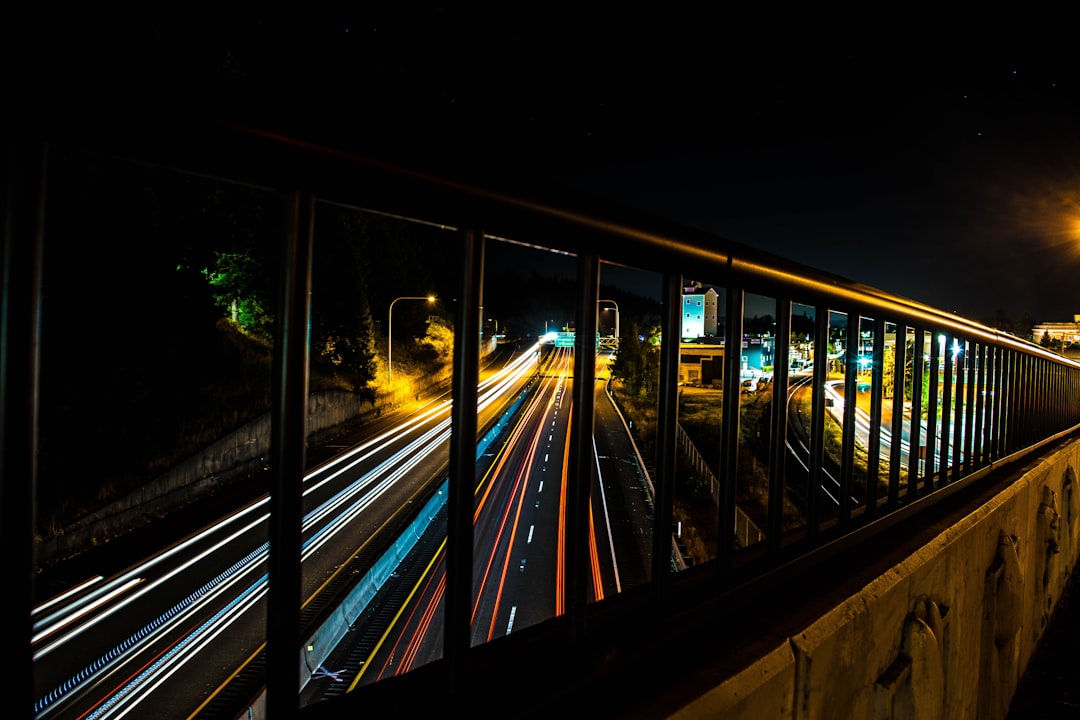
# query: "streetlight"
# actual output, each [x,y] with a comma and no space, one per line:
[616,315]
[389,333]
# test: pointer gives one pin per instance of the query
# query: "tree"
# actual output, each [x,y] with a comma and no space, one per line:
[888,372]
[439,339]
[343,329]
[637,361]
[236,276]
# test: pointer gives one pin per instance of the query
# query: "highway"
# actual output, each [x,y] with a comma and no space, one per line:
[800,387]
[168,634]
[519,534]
[164,635]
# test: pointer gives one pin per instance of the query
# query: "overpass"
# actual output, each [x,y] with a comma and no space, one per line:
[922,592]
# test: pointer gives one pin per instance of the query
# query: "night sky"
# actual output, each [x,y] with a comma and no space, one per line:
[934,161]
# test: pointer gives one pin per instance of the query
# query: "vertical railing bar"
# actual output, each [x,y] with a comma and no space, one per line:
[1048,397]
[1074,389]
[933,410]
[1063,396]
[897,429]
[1064,390]
[877,381]
[26,168]
[989,398]
[1045,400]
[993,402]
[288,442]
[1034,427]
[972,384]
[1010,397]
[1020,416]
[1032,389]
[960,409]
[991,360]
[1060,397]
[778,428]
[948,364]
[1008,409]
[1027,418]
[982,354]
[666,429]
[581,471]
[916,445]
[1068,392]
[462,481]
[1054,397]
[1070,395]
[847,448]
[729,430]
[1057,398]
[1044,403]
[817,419]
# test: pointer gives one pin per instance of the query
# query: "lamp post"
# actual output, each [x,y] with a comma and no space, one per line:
[616,315]
[389,330]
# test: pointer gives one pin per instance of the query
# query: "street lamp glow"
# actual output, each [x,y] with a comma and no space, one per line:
[616,314]
[389,331]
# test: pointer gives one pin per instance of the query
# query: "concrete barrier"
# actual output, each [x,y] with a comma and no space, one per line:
[947,633]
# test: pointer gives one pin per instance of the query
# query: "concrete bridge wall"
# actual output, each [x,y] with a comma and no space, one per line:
[945,634]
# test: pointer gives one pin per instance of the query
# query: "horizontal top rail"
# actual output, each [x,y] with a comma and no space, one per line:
[505,203]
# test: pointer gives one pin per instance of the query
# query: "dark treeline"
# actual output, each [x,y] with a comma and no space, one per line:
[159,314]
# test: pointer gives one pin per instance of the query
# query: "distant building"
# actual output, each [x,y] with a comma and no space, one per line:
[702,363]
[1060,333]
[699,312]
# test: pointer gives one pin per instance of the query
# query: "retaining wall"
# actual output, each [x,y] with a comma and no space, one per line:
[237,455]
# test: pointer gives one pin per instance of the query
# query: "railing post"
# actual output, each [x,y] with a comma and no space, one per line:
[20,346]
[729,430]
[991,425]
[971,373]
[817,420]
[960,408]
[932,406]
[779,420]
[919,447]
[1006,409]
[463,427]
[288,440]
[580,476]
[667,423]
[873,460]
[897,428]
[851,398]
[948,457]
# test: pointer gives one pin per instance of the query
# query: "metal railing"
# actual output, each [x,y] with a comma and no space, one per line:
[989,396]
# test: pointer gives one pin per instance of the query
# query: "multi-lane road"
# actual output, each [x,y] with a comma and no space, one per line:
[519,537]
[168,634]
